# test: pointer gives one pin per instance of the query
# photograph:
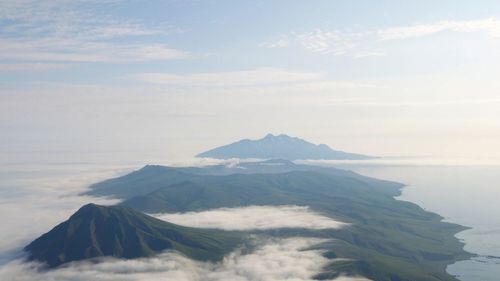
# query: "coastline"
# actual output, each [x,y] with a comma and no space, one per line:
[446,190]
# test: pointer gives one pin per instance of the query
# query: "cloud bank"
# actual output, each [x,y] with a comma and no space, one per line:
[272,260]
[34,199]
[254,217]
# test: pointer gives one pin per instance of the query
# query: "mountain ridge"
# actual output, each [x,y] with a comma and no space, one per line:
[386,240]
[121,232]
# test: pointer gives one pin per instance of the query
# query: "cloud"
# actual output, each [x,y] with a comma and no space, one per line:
[31,66]
[76,31]
[407,161]
[332,42]
[281,43]
[254,217]
[271,260]
[489,25]
[253,77]
[34,199]
[362,44]
[327,42]
[62,49]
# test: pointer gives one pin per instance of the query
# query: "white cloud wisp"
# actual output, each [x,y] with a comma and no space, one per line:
[354,43]
[254,217]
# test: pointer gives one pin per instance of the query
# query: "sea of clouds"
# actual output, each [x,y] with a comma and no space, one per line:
[32,201]
[272,260]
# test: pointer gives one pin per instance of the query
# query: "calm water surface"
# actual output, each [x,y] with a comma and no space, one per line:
[467,195]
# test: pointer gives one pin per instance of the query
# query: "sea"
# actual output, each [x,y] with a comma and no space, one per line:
[466,194]
[36,195]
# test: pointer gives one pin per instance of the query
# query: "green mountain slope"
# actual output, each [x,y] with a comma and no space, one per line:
[298,187]
[140,182]
[96,231]
[388,239]
[154,177]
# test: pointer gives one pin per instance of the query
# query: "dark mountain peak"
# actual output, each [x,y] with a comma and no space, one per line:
[94,208]
[280,137]
[93,211]
[118,231]
[279,146]
[154,168]
[89,206]
[88,209]
[269,136]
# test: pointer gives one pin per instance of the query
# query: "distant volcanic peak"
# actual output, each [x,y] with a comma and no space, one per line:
[282,147]
[91,207]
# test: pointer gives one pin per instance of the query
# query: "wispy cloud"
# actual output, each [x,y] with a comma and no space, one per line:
[327,42]
[259,76]
[320,41]
[31,66]
[490,25]
[70,50]
[254,217]
[359,44]
[75,31]
[280,43]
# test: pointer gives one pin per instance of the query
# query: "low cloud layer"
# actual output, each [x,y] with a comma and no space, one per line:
[283,259]
[35,199]
[254,217]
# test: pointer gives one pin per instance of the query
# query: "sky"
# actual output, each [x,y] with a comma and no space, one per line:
[169,79]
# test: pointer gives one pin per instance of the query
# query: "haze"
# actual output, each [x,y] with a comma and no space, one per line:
[172,78]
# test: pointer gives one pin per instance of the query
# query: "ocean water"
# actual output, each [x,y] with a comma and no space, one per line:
[467,195]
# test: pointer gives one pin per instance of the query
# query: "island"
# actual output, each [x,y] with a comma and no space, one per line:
[386,239]
[282,147]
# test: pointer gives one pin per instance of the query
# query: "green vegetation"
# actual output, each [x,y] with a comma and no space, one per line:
[387,240]
[117,231]
[154,177]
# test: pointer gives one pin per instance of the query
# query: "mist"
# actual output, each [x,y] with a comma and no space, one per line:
[272,260]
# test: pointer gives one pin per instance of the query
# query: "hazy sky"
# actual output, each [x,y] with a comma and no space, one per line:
[172,78]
